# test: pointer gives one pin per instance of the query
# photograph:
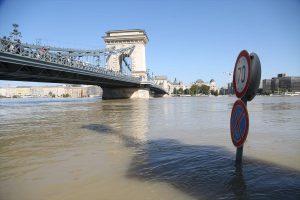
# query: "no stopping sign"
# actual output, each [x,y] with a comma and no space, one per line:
[239,123]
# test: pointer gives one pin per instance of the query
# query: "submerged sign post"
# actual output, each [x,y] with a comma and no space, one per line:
[246,80]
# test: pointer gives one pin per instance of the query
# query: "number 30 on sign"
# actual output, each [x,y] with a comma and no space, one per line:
[241,74]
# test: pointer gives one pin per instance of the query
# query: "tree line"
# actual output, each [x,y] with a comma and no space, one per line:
[195,90]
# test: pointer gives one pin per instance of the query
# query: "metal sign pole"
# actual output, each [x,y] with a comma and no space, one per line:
[239,155]
[239,150]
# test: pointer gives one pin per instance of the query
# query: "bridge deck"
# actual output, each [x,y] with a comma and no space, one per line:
[21,68]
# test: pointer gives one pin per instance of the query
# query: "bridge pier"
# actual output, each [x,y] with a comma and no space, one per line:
[125,93]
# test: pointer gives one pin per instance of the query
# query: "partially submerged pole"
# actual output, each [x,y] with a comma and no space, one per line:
[246,80]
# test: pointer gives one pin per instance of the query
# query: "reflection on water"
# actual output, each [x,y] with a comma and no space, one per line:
[284,105]
[208,171]
[168,148]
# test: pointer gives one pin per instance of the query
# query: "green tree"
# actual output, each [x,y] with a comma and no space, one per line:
[186,91]
[51,94]
[215,93]
[174,91]
[66,95]
[204,89]
[267,92]
[194,89]
[259,91]
[180,91]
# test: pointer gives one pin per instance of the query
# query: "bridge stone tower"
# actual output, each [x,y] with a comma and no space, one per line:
[128,38]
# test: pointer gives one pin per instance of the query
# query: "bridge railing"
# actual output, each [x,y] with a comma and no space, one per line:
[71,58]
[62,56]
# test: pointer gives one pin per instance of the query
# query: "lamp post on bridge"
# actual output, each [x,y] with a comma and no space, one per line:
[15,35]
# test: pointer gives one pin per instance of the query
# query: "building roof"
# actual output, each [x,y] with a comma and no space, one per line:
[23,86]
[160,78]
[175,82]
[126,34]
[126,30]
[199,81]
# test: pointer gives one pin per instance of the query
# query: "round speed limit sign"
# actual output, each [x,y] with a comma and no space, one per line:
[241,74]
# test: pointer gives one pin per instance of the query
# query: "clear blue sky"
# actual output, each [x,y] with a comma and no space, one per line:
[188,39]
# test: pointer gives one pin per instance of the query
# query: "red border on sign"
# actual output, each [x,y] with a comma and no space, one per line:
[247,56]
[244,136]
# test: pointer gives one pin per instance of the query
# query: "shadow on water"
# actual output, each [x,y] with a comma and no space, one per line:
[206,172]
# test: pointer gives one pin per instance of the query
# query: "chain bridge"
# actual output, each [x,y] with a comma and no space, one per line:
[119,69]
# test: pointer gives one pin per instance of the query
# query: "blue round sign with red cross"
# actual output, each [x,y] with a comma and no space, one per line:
[239,123]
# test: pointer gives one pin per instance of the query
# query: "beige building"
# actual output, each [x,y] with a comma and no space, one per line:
[167,85]
[164,83]
[14,91]
[213,85]
[46,91]
[178,85]
[51,91]
[2,92]
[10,92]
[22,91]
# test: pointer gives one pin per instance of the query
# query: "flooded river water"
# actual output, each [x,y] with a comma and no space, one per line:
[165,148]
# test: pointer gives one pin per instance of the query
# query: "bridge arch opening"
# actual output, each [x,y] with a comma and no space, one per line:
[125,63]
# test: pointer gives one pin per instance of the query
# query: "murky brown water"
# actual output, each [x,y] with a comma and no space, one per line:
[167,148]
